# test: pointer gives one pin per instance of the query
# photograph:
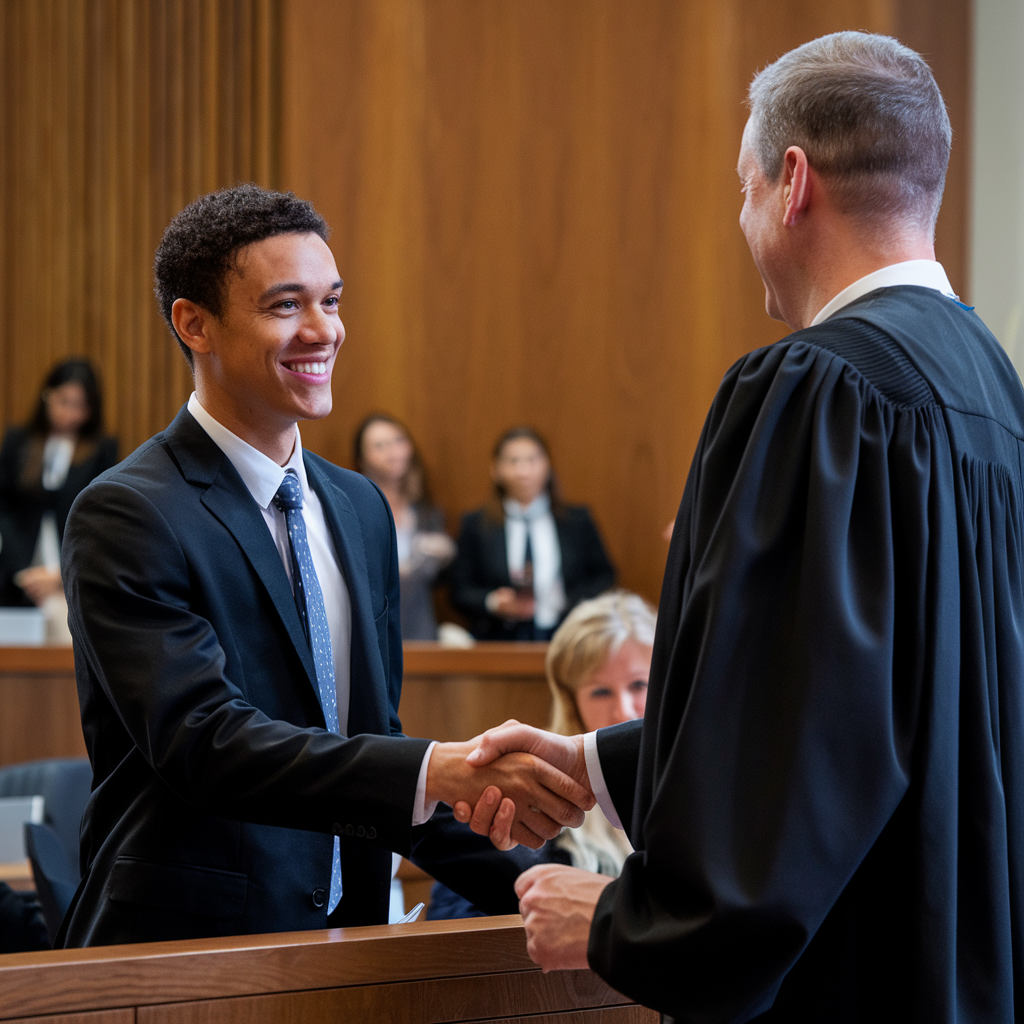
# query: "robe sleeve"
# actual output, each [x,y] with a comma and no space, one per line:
[775,749]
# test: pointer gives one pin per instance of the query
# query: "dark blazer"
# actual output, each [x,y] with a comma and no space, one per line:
[23,499]
[482,566]
[217,787]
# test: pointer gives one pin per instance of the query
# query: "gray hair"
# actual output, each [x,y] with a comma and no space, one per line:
[867,112]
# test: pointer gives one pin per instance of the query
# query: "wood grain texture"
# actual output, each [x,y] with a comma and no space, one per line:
[426,1002]
[39,717]
[534,207]
[117,113]
[535,210]
[123,1016]
[150,974]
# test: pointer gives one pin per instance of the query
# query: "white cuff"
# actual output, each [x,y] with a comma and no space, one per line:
[597,783]
[421,810]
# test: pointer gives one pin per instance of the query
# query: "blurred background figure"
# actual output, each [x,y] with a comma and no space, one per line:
[43,466]
[526,557]
[597,665]
[384,451]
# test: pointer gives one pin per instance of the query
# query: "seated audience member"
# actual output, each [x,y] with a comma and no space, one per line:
[43,466]
[597,667]
[385,452]
[526,558]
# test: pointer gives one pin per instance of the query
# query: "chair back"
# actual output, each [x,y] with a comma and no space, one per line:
[55,876]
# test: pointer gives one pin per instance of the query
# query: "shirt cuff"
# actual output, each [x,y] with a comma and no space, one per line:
[421,810]
[597,783]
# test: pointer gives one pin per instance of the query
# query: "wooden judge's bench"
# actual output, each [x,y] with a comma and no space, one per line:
[420,974]
[430,971]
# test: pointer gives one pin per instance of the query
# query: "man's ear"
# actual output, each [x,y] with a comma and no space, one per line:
[796,182]
[192,322]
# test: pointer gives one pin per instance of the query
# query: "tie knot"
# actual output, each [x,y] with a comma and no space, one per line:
[289,494]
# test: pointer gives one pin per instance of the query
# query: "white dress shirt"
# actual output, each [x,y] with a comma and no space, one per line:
[262,477]
[548,587]
[925,274]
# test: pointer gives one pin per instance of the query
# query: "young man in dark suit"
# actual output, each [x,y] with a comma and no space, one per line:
[234,607]
[826,795]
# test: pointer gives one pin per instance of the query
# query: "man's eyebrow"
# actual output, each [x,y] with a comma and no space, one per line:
[292,286]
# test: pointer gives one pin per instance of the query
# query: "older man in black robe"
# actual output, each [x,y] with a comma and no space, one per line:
[827,795]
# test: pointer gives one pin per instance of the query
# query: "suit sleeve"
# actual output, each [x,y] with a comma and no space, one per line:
[594,570]
[468,587]
[159,664]
[774,750]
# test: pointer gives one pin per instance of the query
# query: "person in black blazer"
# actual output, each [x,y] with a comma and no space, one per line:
[43,466]
[225,774]
[526,559]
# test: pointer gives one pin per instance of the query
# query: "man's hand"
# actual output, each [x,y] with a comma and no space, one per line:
[492,815]
[557,904]
[543,799]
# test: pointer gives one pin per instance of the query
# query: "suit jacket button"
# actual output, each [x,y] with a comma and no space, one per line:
[319,898]
[361,832]
[371,833]
[349,830]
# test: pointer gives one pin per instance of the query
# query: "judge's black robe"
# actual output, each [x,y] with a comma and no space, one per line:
[826,794]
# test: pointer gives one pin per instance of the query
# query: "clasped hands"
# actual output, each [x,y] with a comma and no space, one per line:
[524,786]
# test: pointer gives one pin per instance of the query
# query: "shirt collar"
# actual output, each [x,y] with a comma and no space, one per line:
[924,273]
[261,475]
[536,508]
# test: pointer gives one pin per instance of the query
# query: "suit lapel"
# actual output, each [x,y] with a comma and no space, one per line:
[368,702]
[204,465]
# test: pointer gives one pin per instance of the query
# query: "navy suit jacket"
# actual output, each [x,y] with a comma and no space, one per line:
[217,788]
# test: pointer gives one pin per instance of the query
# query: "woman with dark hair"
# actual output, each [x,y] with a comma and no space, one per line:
[43,466]
[526,558]
[384,452]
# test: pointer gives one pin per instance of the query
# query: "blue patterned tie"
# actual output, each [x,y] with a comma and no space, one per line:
[309,600]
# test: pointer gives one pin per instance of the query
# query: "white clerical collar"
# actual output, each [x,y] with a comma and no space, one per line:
[260,473]
[538,507]
[923,273]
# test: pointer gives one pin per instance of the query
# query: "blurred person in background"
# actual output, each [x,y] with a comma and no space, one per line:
[43,466]
[526,558]
[597,665]
[385,453]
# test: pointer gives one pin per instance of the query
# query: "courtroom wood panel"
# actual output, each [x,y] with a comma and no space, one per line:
[453,694]
[484,959]
[124,1016]
[117,113]
[535,211]
[39,717]
[459,999]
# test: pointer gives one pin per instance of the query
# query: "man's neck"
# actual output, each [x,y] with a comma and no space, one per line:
[275,440]
[837,258]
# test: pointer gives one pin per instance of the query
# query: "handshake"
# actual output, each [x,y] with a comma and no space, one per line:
[514,783]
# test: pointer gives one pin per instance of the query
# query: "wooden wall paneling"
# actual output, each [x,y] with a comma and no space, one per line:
[535,210]
[124,1016]
[116,114]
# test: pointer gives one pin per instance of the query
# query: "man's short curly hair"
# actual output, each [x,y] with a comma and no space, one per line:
[201,244]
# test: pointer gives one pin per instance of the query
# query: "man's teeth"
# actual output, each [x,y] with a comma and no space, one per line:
[315,368]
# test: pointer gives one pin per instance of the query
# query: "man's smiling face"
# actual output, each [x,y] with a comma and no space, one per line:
[272,351]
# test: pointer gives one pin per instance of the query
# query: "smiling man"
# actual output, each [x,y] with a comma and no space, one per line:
[234,606]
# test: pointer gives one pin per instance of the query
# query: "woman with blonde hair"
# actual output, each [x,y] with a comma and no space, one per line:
[597,666]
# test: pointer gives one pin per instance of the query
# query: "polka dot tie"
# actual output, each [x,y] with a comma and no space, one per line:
[309,600]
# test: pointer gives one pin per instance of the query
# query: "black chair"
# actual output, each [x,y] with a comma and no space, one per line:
[64,783]
[55,875]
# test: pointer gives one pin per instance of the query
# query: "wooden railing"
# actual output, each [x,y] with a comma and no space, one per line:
[476,970]
[447,694]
